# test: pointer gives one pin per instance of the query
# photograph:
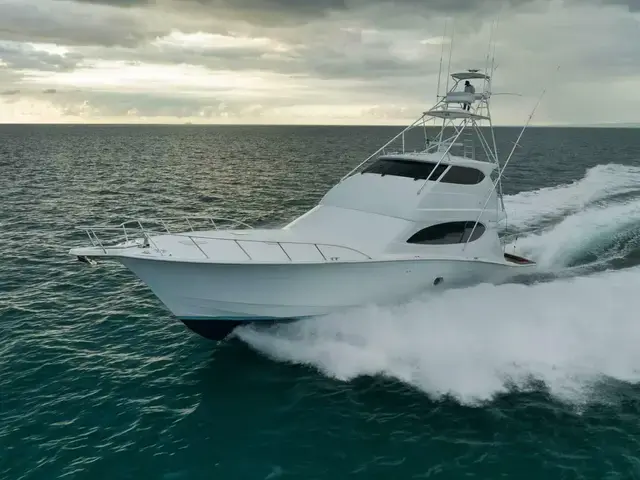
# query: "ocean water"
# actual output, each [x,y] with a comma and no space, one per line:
[539,378]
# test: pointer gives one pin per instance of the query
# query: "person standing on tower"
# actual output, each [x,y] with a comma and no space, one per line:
[468,88]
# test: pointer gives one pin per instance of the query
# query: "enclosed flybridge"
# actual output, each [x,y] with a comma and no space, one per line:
[401,223]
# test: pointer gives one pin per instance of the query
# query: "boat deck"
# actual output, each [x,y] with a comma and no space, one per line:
[245,245]
[240,246]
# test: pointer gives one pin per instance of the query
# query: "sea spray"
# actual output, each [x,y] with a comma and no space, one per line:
[570,333]
[473,343]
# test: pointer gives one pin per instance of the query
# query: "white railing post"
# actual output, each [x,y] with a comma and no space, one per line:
[199,248]
[285,252]
[241,248]
[318,248]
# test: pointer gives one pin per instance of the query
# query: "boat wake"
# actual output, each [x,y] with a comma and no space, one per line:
[572,333]
[549,205]
[589,225]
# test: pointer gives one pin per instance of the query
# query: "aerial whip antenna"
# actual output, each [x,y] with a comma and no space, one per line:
[493,60]
[441,55]
[486,63]
[453,34]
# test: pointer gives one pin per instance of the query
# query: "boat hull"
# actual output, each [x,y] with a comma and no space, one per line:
[213,299]
[217,329]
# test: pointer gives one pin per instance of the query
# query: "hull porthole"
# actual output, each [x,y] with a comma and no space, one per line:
[438,281]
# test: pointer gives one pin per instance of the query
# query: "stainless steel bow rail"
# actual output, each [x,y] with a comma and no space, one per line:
[133,233]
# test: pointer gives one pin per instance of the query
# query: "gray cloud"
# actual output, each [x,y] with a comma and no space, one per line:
[271,11]
[122,104]
[21,56]
[65,22]
[117,3]
[361,52]
[280,13]
[633,5]
[319,59]
[130,23]
[317,7]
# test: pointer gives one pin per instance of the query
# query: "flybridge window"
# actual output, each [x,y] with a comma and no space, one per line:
[406,168]
[447,233]
[422,170]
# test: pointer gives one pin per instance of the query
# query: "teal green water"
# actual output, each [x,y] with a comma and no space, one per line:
[97,381]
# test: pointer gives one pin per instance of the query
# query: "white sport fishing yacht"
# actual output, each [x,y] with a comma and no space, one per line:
[401,223]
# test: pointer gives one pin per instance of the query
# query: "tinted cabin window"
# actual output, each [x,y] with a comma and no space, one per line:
[463,176]
[406,168]
[422,170]
[447,233]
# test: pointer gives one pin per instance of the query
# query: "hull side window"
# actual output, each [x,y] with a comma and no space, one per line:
[463,176]
[447,233]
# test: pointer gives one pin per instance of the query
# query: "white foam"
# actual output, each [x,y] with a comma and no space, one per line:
[472,343]
[556,247]
[600,182]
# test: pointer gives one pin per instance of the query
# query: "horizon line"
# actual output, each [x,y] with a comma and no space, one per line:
[192,124]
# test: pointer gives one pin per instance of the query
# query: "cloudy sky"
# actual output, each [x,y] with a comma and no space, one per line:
[311,61]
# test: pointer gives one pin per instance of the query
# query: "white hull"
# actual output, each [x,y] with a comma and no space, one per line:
[245,293]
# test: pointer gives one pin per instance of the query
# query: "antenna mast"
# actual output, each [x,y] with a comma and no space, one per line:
[441,55]
[493,61]
[453,33]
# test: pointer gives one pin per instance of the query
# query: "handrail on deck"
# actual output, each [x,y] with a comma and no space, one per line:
[280,243]
[163,221]
[131,227]
[148,241]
